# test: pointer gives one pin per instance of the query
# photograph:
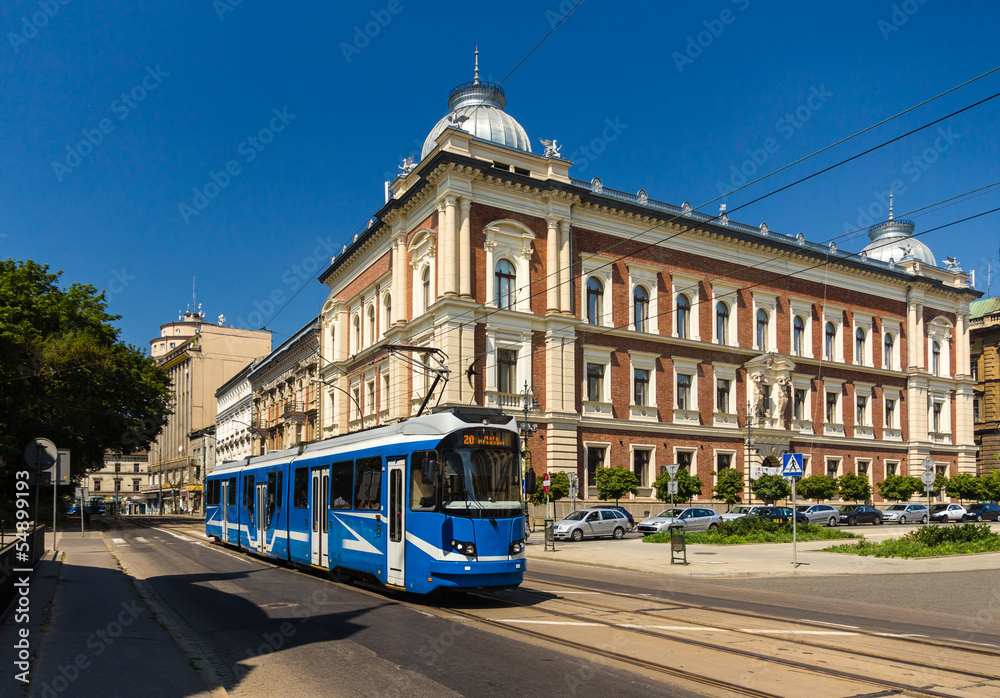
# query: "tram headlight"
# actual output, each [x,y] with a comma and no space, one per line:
[516,548]
[464,547]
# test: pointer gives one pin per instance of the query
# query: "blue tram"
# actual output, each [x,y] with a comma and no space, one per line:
[431,502]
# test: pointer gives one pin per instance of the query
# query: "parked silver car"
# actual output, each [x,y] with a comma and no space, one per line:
[739,512]
[692,518]
[819,513]
[590,523]
[901,513]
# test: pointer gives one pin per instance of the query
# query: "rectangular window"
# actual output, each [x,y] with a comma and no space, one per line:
[341,484]
[831,408]
[936,426]
[212,495]
[135,468]
[891,468]
[281,488]
[974,368]
[722,395]
[862,410]
[595,460]
[975,409]
[832,467]
[300,490]
[723,461]
[97,485]
[641,377]
[640,465]
[368,483]
[272,495]
[422,495]
[595,382]
[135,488]
[370,398]
[799,404]
[685,461]
[890,413]
[507,371]
[683,391]
[248,492]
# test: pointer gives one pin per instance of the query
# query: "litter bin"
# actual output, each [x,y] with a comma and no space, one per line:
[550,539]
[678,544]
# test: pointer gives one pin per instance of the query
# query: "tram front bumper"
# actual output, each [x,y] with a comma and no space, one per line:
[478,573]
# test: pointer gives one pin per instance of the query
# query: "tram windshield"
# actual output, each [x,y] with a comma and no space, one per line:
[481,483]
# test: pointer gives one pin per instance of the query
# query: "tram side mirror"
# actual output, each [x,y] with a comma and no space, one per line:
[530,486]
[428,469]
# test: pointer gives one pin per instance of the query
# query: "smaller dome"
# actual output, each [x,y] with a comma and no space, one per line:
[892,240]
[477,107]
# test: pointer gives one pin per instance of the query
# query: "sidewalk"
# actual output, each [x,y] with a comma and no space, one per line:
[92,635]
[752,559]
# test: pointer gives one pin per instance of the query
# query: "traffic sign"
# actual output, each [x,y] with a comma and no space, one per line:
[791,465]
[929,488]
[672,469]
[928,463]
[41,454]
[672,487]
[546,483]
[928,477]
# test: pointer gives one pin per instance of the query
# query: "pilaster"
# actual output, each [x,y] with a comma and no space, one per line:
[465,249]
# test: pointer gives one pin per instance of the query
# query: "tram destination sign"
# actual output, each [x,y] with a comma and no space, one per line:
[497,438]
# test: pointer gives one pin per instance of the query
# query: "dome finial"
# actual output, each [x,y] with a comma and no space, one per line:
[890,204]
[476,79]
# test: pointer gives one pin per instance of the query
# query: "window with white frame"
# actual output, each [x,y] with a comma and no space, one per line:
[833,467]
[833,389]
[685,460]
[384,401]
[643,294]
[643,382]
[935,358]
[891,468]
[594,458]
[685,389]
[372,328]
[425,290]
[595,289]
[386,311]
[765,335]
[939,333]
[723,460]
[509,247]
[685,382]
[684,291]
[891,412]
[421,249]
[356,334]
[642,457]
[725,393]
[640,386]
[595,382]
[801,327]
[939,416]
[507,371]
[861,409]
[889,350]
[597,373]
[833,321]
[799,403]
[863,337]
[724,327]
[370,397]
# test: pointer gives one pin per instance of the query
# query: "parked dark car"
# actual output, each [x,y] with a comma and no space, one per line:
[780,514]
[982,512]
[623,510]
[852,514]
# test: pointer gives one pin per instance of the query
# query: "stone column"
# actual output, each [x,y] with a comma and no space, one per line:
[962,358]
[465,249]
[565,271]
[912,337]
[399,268]
[552,274]
[440,244]
[446,255]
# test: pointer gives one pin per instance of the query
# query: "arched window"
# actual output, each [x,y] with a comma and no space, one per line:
[640,309]
[386,311]
[425,281]
[683,316]
[762,323]
[936,358]
[595,300]
[371,324]
[859,346]
[798,335]
[357,333]
[505,284]
[831,341]
[722,322]
[887,351]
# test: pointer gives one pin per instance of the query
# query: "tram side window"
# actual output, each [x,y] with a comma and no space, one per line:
[213,493]
[281,488]
[368,481]
[248,492]
[272,484]
[232,491]
[421,496]
[341,483]
[300,496]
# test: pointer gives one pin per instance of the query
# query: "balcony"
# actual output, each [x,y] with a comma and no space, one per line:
[294,411]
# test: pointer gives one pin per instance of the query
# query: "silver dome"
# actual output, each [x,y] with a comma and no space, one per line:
[892,240]
[477,108]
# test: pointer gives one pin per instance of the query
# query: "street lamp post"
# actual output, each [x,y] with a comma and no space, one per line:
[529,403]
[750,444]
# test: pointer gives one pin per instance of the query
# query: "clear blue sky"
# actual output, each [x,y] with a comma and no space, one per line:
[697,89]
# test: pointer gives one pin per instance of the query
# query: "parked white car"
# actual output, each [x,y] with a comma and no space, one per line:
[692,518]
[745,510]
[942,513]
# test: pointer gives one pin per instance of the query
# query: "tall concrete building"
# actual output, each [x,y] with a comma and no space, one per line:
[648,333]
[199,357]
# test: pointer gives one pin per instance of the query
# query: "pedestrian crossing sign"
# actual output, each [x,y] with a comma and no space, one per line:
[791,465]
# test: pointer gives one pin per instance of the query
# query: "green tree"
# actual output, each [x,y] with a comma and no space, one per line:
[614,483]
[940,485]
[965,486]
[770,488]
[688,486]
[991,485]
[729,486]
[817,487]
[558,488]
[65,376]
[899,488]
[855,487]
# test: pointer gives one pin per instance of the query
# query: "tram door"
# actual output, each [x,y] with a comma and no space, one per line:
[261,517]
[224,508]
[319,489]
[396,554]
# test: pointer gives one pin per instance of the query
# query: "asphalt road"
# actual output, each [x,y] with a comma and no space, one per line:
[271,630]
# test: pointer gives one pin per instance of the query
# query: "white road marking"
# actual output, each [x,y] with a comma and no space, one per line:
[797,632]
[580,592]
[552,622]
[823,622]
[119,541]
[140,539]
[682,628]
[175,535]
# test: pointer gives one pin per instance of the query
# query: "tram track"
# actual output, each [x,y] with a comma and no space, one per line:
[811,668]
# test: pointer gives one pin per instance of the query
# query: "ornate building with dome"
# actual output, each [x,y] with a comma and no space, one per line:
[644,333]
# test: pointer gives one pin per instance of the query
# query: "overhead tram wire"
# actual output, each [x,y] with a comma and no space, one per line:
[483,314]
